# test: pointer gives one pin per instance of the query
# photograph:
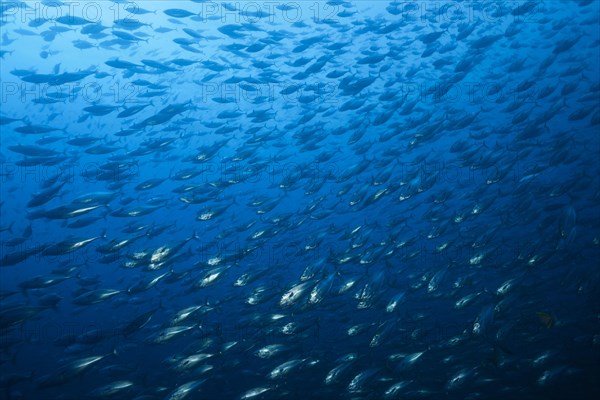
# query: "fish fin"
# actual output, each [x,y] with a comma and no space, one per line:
[195,236]
[584,78]
[504,348]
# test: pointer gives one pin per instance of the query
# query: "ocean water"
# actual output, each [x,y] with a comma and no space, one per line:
[299,200]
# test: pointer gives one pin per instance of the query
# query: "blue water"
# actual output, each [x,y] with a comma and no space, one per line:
[300,200]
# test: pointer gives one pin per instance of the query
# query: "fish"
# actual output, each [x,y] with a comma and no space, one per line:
[138,322]
[18,256]
[172,332]
[116,245]
[70,371]
[36,129]
[95,296]
[111,389]
[270,351]
[42,281]
[16,314]
[211,277]
[44,196]
[72,20]
[356,384]
[178,13]
[68,246]
[182,391]
[284,369]
[133,110]
[100,109]
[255,392]
[189,362]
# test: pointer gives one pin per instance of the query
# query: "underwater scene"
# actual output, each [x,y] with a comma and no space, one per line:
[257,200]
